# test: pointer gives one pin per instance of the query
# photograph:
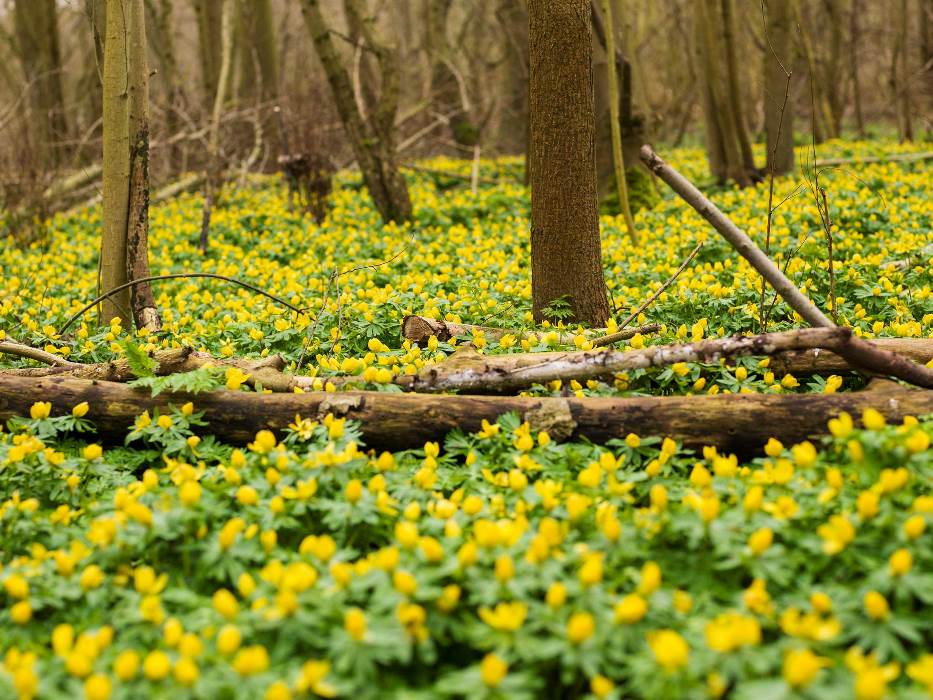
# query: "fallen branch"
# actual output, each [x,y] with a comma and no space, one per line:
[735,422]
[738,238]
[471,372]
[622,334]
[418,329]
[31,353]
[892,158]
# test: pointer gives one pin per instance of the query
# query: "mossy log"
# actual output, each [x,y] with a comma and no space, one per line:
[739,423]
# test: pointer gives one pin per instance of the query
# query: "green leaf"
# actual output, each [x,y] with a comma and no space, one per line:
[197,381]
[139,362]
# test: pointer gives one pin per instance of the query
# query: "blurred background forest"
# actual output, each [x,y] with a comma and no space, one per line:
[442,77]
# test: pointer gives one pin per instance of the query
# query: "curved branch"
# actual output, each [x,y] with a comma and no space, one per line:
[20,350]
[179,275]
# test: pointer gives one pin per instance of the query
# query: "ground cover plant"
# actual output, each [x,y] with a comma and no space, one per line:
[499,564]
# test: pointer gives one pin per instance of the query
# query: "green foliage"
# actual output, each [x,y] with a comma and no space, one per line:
[196,381]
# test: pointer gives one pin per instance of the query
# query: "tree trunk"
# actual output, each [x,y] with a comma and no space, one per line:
[258,44]
[854,36]
[512,132]
[145,312]
[901,72]
[732,83]
[37,43]
[566,258]
[445,88]
[740,423]
[926,58]
[779,108]
[209,16]
[724,143]
[116,175]
[372,138]
[162,43]
[212,179]
[615,126]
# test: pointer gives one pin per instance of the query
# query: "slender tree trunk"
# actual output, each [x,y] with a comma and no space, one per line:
[116,175]
[513,127]
[37,40]
[734,91]
[926,57]
[779,108]
[145,312]
[372,136]
[566,259]
[214,166]
[901,72]
[162,43]
[854,36]
[615,125]
[209,15]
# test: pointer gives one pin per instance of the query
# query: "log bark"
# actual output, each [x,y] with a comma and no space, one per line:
[739,423]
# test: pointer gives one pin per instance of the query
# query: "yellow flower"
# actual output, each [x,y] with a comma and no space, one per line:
[505,617]
[225,603]
[901,562]
[156,665]
[580,627]
[872,419]
[186,672]
[21,612]
[228,639]
[91,577]
[97,687]
[842,426]
[492,670]
[669,648]
[80,410]
[630,609]
[126,665]
[354,622]
[40,410]
[235,378]
[801,667]
[760,540]
[876,605]
[16,586]
[601,686]
[247,496]
[189,493]
[251,660]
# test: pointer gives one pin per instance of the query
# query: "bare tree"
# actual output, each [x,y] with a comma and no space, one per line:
[566,258]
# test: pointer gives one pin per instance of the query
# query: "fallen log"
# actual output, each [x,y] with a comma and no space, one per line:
[468,370]
[740,423]
[418,329]
[865,160]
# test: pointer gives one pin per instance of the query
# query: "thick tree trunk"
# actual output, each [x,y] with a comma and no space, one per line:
[145,312]
[779,108]
[116,176]
[370,136]
[566,259]
[902,78]
[739,423]
[854,36]
[38,46]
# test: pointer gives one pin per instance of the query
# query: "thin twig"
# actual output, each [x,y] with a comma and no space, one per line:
[622,335]
[180,275]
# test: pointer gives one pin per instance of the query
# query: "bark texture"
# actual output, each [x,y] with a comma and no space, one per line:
[739,423]
[566,258]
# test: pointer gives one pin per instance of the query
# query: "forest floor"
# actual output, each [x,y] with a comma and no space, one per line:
[496,564]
